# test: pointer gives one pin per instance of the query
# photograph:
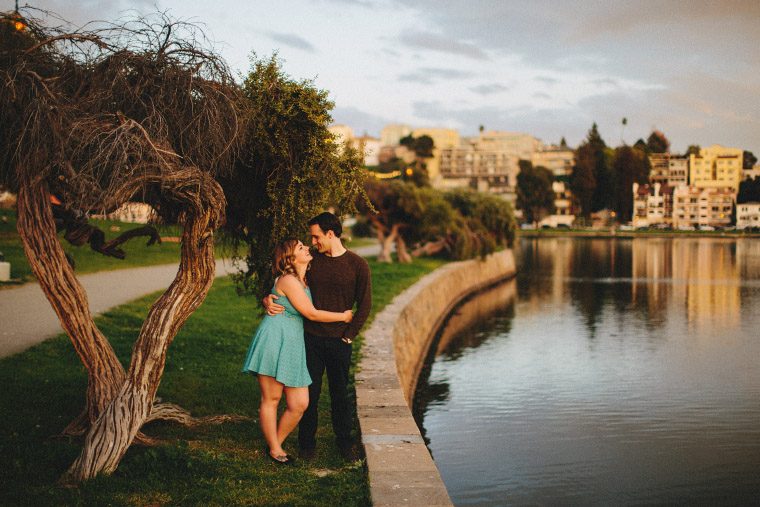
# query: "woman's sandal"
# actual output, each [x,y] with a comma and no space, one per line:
[282,460]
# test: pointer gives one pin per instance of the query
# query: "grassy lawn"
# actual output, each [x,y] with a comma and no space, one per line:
[225,465]
[87,260]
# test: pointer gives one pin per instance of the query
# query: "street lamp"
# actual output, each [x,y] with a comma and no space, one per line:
[18,20]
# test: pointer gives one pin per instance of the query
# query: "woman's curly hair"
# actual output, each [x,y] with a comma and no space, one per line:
[283,256]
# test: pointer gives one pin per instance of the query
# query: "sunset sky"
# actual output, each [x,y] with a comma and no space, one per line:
[550,68]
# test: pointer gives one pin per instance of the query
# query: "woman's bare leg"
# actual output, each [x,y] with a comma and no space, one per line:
[297,399]
[271,393]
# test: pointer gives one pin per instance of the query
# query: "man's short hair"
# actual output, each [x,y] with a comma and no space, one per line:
[327,222]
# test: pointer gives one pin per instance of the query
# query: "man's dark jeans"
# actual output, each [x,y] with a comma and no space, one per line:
[333,355]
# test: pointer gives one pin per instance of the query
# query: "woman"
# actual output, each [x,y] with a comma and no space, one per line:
[277,353]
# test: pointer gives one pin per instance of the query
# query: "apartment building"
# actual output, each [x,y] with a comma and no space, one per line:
[716,167]
[480,166]
[697,207]
[669,169]
[558,159]
[490,162]
[748,215]
[522,146]
[652,205]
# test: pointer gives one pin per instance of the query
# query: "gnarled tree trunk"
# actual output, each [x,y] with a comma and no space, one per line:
[386,240]
[401,250]
[113,432]
[69,300]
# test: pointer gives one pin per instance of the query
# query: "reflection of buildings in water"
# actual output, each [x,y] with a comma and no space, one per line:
[702,273]
[711,294]
[462,324]
[651,261]
[748,258]
[553,258]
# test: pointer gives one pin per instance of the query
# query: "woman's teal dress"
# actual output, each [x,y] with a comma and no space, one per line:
[277,349]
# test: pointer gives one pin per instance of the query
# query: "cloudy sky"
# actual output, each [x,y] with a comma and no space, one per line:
[550,68]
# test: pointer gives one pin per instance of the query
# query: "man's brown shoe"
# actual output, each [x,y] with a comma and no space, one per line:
[349,454]
[307,455]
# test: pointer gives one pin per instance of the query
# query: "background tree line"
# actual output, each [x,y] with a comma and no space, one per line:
[603,177]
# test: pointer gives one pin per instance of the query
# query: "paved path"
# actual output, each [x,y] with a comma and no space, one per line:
[26,317]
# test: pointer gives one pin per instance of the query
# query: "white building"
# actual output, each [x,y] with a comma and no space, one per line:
[343,133]
[652,204]
[369,147]
[747,215]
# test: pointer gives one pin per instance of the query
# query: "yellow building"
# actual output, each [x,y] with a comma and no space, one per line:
[393,133]
[716,167]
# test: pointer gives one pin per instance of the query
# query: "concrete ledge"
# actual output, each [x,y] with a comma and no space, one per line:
[401,470]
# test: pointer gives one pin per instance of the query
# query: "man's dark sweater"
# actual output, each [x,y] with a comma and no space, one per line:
[336,282]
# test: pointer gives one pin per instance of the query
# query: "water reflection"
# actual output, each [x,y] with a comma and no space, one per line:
[468,325]
[610,372]
[646,276]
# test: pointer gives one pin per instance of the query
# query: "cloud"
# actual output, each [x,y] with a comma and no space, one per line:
[489,89]
[292,40]
[86,11]
[428,75]
[434,42]
[370,123]
[613,18]
[547,80]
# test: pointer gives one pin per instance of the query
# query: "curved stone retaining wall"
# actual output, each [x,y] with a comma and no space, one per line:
[401,470]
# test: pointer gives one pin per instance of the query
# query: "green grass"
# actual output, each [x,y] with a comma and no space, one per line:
[224,465]
[86,259]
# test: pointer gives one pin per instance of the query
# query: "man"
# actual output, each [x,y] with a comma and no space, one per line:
[338,278]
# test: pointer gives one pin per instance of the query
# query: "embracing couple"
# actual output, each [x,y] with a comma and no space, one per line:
[308,328]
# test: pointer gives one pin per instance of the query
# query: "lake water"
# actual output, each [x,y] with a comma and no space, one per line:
[608,372]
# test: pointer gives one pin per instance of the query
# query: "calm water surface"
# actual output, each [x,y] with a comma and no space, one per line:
[609,372]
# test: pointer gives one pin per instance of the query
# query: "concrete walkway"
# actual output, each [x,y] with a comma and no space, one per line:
[26,317]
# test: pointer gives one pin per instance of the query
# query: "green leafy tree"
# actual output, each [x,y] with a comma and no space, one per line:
[423,151]
[435,220]
[692,149]
[494,213]
[391,206]
[657,143]
[582,181]
[749,191]
[603,192]
[457,225]
[389,166]
[535,195]
[749,160]
[630,166]
[290,170]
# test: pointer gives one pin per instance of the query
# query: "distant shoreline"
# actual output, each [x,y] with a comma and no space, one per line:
[606,233]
